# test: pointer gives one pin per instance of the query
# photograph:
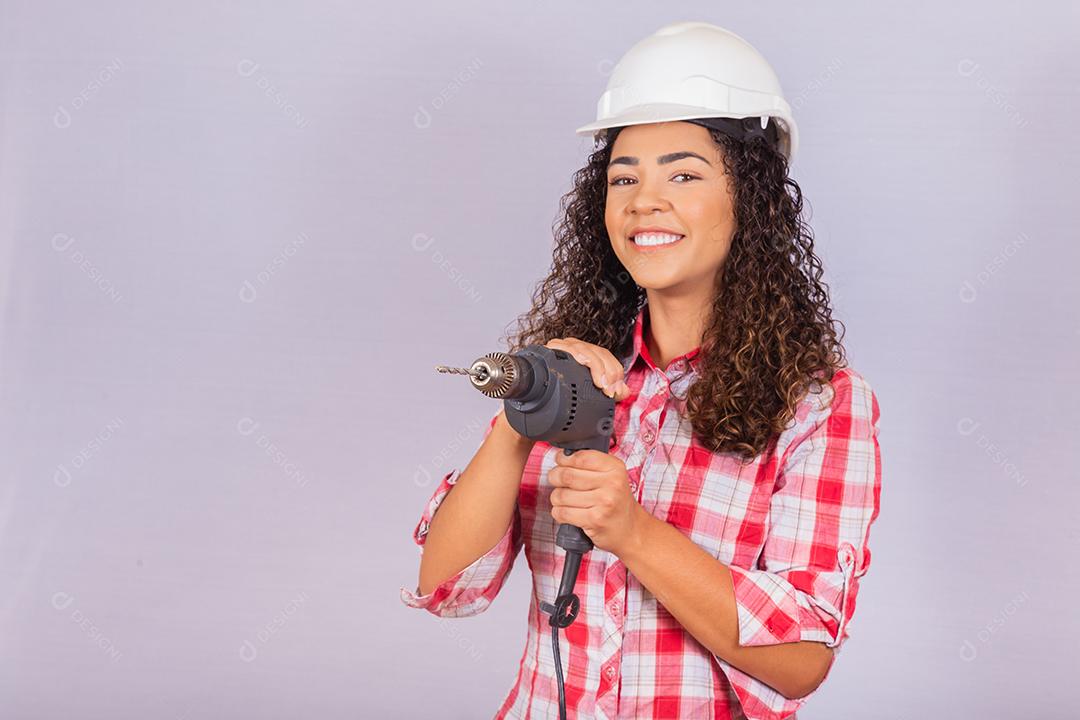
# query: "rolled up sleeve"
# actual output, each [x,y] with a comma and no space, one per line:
[815,552]
[471,590]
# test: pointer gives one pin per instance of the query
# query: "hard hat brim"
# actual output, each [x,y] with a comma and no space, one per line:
[670,112]
[648,113]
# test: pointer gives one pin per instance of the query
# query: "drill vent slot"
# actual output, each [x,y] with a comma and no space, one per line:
[573,407]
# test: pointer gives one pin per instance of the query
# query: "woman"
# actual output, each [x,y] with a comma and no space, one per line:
[732,513]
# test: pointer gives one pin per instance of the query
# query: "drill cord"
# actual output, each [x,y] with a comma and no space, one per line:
[558,671]
[563,612]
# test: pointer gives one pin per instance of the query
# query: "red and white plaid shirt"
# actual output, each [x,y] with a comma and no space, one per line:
[792,526]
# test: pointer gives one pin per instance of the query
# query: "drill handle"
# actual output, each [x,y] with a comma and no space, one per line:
[571,538]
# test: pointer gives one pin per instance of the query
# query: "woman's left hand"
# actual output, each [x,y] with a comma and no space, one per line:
[592,491]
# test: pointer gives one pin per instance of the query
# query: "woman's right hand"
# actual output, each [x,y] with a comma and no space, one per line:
[606,370]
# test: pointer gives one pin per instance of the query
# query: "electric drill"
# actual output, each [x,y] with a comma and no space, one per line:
[549,396]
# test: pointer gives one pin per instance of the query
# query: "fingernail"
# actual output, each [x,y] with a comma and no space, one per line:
[604,379]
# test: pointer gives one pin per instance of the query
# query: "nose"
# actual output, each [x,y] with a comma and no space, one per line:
[647,196]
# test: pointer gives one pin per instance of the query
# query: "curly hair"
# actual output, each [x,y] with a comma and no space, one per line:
[770,337]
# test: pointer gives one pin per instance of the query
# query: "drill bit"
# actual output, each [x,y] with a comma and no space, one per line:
[480,373]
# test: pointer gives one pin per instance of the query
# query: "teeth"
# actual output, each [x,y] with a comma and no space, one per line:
[655,238]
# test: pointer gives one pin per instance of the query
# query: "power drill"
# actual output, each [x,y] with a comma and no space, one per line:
[549,396]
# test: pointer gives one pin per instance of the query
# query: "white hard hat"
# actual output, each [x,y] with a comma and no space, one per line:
[695,70]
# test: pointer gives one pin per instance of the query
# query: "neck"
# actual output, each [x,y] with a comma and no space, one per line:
[676,326]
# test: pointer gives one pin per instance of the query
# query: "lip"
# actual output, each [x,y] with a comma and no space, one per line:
[651,228]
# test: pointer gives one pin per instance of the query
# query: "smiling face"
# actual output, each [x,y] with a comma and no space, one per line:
[669,176]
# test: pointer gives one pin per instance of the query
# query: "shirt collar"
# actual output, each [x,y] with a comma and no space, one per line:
[641,349]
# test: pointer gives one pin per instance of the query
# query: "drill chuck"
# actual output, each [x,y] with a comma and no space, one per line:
[501,376]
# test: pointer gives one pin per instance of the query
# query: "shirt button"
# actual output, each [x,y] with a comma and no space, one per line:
[616,608]
[610,671]
[633,486]
[648,436]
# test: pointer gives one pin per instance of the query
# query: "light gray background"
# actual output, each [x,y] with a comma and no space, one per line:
[236,237]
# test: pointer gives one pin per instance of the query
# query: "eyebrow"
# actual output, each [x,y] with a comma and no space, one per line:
[662,160]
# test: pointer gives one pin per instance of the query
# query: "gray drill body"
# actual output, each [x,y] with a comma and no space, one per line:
[556,401]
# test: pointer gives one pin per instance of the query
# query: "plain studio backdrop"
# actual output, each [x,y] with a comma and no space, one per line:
[235,238]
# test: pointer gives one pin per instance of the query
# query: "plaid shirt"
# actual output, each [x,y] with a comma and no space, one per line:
[792,527]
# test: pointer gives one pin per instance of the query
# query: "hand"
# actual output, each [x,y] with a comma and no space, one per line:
[592,491]
[503,426]
[607,371]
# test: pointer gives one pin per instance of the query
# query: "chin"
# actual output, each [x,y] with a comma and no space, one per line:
[656,284]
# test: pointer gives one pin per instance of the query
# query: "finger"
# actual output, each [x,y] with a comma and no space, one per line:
[592,460]
[573,516]
[613,369]
[566,497]
[586,354]
[574,478]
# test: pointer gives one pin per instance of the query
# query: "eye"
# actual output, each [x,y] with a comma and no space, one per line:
[615,181]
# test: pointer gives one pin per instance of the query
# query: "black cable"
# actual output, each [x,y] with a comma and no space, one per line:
[563,612]
[558,671]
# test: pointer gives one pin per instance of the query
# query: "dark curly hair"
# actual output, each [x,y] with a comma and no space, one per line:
[771,336]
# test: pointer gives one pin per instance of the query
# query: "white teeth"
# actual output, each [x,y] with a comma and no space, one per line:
[655,239]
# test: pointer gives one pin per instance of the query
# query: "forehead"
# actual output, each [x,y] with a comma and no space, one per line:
[649,140]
